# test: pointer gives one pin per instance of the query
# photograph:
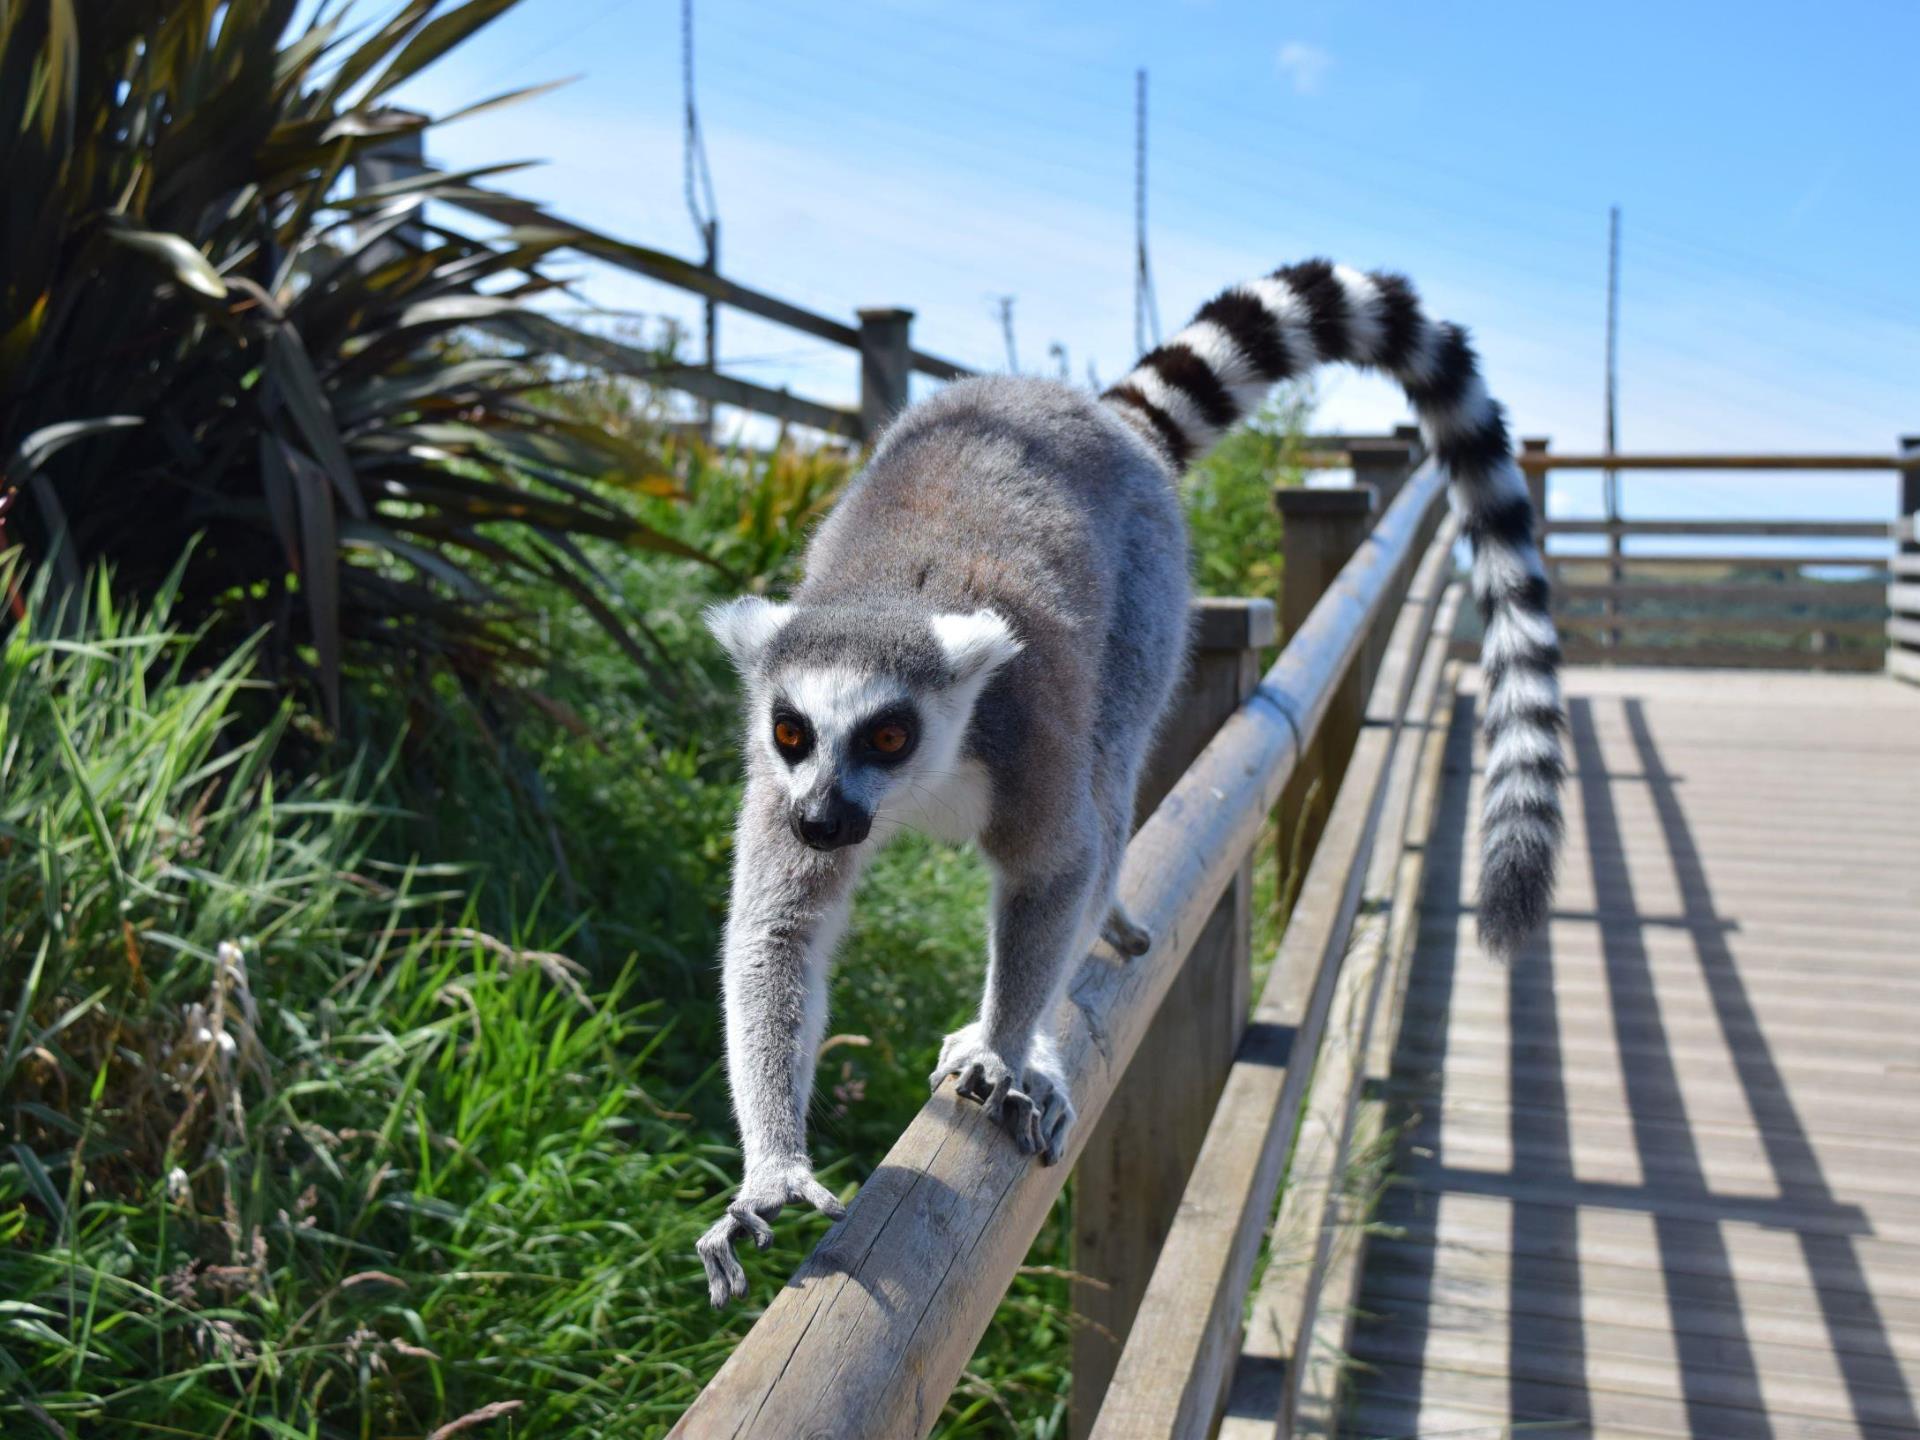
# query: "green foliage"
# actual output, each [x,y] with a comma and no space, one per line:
[201,333]
[1231,516]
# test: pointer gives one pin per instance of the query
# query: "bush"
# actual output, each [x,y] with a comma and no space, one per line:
[203,334]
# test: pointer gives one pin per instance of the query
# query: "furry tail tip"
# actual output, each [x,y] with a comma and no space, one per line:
[1516,885]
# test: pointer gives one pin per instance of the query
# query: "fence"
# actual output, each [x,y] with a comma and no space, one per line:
[1174,1071]
[1761,607]
[882,336]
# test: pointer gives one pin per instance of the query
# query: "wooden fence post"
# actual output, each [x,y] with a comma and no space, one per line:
[399,157]
[1903,595]
[1128,1183]
[886,362]
[1322,529]
[1537,489]
[1382,463]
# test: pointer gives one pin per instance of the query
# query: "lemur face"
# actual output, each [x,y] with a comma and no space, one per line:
[840,741]
[858,715]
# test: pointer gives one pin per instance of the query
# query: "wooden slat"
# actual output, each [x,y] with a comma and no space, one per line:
[1266,1376]
[1703,657]
[1797,529]
[1551,460]
[879,1322]
[1173,1371]
[1710,624]
[1783,593]
[1661,1174]
[1875,559]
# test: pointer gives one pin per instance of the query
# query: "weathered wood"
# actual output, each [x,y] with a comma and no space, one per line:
[1321,529]
[1121,1208]
[1173,1371]
[1661,1170]
[871,1332]
[1798,529]
[1266,1376]
[1697,657]
[1863,559]
[1719,624]
[1708,592]
[886,364]
[1542,460]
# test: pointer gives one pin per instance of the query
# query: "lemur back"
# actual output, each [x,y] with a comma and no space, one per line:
[992,624]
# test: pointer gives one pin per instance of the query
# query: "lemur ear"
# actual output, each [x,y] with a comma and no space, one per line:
[744,626]
[976,645]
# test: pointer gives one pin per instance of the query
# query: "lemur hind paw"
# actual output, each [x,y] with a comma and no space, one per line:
[1125,934]
[763,1194]
[1036,1112]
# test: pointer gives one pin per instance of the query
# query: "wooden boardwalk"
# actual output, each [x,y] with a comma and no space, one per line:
[1662,1177]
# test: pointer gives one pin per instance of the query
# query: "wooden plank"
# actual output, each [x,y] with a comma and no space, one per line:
[1781,592]
[1699,657]
[1557,460]
[1867,559]
[1173,1371]
[1122,1210]
[1797,529]
[859,1330]
[1637,1361]
[1710,1305]
[1267,1374]
[1710,624]
[1904,597]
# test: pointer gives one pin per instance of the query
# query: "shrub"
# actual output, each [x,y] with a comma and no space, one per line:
[202,333]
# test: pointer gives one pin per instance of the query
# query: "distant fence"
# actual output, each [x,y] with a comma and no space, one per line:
[881,336]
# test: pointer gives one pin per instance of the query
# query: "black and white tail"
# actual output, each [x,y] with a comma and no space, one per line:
[1182,396]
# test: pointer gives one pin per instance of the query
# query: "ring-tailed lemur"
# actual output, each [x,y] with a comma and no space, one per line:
[993,619]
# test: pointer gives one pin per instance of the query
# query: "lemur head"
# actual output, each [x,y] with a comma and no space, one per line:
[847,704]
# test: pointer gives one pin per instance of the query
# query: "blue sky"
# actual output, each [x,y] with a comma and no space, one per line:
[939,156]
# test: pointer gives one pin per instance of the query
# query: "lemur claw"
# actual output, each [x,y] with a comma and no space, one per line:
[1036,1113]
[762,1197]
[1125,934]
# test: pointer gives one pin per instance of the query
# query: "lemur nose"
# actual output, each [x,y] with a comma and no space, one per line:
[831,821]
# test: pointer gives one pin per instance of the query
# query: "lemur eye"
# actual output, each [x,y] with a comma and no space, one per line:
[788,735]
[889,739]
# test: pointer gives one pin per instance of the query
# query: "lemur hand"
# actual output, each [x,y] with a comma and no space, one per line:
[768,1188]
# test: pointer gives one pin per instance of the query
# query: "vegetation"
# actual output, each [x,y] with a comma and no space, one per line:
[368,1086]
[204,333]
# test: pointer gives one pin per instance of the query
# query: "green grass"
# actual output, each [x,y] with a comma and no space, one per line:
[470,1121]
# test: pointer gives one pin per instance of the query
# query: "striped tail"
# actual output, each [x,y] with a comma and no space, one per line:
[1182,396]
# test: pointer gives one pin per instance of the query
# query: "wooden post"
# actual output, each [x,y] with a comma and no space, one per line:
[397,158]
[1135,1165]
[886,361]
[1382,463]
[1322,529]
[1537,489]
[1910,492]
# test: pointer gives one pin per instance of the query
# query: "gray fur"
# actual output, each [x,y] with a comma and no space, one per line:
[1034,503]
[1008,577]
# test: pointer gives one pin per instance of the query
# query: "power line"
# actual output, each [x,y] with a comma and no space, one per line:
[1146,311]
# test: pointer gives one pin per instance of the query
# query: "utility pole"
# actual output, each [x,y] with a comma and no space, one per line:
[1146,317]
[1006,329]
[701,205]
[1611,481]
[1057,353]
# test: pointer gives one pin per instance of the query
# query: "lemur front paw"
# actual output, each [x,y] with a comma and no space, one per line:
[768,1188]
[1125,934]
[1035,1112]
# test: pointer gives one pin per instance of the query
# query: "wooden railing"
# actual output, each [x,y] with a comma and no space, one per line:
[1755,606]
[881,336]
[1171,1071]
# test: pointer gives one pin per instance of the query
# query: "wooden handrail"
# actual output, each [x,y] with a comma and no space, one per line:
[1554,460]
[1173,1370]
[873,1330]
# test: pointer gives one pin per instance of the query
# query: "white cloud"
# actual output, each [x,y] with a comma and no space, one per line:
[1304,65]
